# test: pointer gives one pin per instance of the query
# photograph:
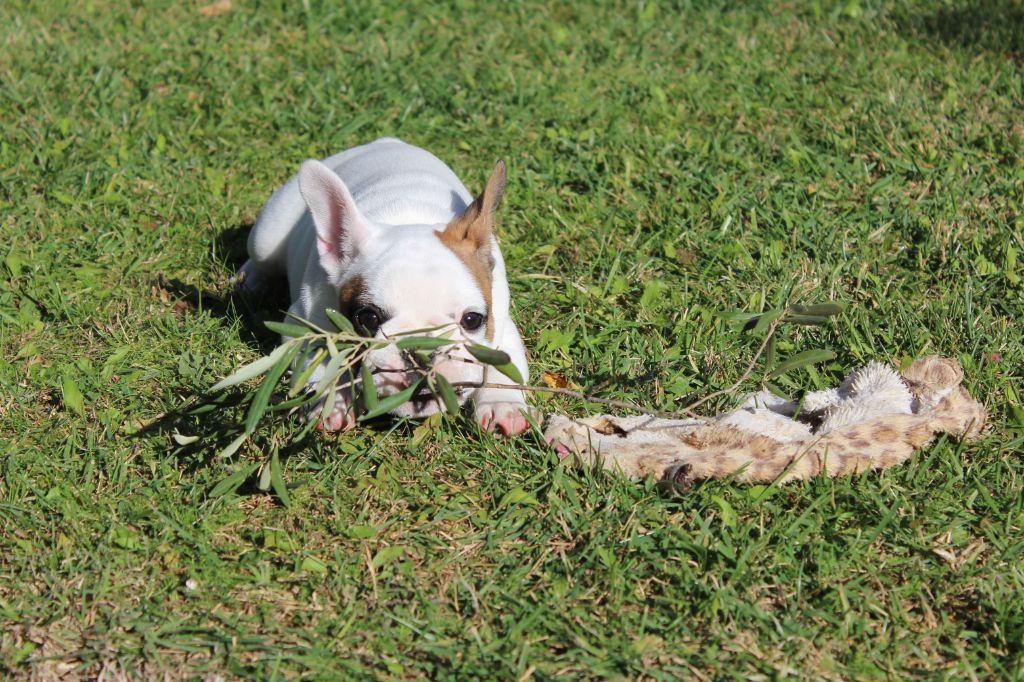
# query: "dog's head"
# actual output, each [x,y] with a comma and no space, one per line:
[392,280]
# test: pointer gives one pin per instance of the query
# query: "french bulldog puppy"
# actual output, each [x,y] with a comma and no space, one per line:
[389,236]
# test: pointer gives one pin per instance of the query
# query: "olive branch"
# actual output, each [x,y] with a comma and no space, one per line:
[288,371]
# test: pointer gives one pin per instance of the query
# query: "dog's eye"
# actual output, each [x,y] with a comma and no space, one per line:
[368,320]
[471,321]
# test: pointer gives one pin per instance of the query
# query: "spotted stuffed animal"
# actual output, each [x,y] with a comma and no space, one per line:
[875,419]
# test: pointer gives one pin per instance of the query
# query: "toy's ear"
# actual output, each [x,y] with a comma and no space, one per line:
[340,228]
[476,224]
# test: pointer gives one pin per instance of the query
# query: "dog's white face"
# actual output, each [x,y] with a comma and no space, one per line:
[406,280]
[394,280]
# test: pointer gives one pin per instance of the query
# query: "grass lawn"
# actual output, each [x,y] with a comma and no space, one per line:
[665,164]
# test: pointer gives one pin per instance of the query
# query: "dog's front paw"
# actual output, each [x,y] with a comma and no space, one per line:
[249,281]
[341,418]
[506,418]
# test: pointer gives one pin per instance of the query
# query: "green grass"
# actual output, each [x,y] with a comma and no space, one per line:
[665,163]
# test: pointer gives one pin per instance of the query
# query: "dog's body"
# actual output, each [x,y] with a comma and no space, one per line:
[388,235]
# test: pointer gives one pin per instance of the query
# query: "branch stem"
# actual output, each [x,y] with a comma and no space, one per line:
[688,411]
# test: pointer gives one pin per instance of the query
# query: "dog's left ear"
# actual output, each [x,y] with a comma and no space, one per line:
[476,224]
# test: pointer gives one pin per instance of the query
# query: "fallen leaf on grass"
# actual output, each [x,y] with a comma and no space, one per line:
[554,379]
[182,439]
[216,9]
[73,398]
[686,258]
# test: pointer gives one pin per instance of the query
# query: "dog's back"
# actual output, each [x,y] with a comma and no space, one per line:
[392,183]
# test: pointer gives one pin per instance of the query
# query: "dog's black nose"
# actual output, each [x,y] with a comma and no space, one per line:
[418,359]
[423,391]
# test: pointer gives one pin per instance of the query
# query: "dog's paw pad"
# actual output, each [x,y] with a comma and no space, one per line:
[508,419]
[340,419]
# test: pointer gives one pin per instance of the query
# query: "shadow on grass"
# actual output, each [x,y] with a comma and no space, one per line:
[219,425]
[990,25]
[250,311]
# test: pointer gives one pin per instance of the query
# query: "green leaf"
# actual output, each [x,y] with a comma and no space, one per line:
[300,379]
[277,480]
[488,356]
[30,349]
[391,402]
[451,402]
[125,538]
[499,359]
[425,429]
[340,322]
[1010,265]
[233,446]
[333,370]
[312,564]
[14,263]
[387,555]
[309,325]
[822,309]
[275,538]
[765,321]
[254,368]
[517,496]
[808,320]
[769,354]
[262,398]
[368,387]
[73,398]
[736,315]
[264,483]
[211,404]
[726,512]
[759,493]
[183,440]
[329,399]
[808,357]
[301,399]
[1016,415]
[233,482]
[653,294]
[23,652]
[424,342]
[511,371]
[362,532]
[286,328]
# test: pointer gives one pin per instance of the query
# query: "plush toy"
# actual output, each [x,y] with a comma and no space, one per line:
[874,420]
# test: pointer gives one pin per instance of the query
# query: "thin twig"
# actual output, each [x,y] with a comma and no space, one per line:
[687,411]
[575,394]
[750,368]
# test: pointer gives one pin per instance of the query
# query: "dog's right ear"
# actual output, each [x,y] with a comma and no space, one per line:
[340,227]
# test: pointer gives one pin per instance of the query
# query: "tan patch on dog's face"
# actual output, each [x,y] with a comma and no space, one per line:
[468,236]
[480,264]
[350,296]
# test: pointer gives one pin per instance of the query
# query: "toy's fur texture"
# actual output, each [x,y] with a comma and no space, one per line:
[874,420]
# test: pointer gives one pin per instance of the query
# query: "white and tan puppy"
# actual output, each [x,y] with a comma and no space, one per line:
[388,235]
